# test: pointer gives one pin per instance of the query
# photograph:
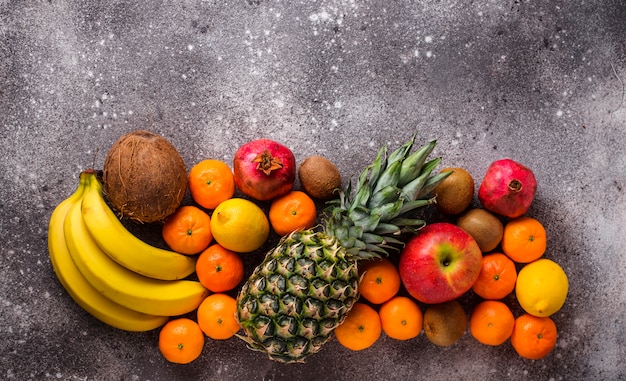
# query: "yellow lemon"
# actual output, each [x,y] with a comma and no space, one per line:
[239,225]
[541,287]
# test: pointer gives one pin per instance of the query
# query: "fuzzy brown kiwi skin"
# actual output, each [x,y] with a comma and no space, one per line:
[445,323]
[455,193]
[144,177]
[485,227]
[319,177]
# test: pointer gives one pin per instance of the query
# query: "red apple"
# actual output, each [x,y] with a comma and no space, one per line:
[440,263]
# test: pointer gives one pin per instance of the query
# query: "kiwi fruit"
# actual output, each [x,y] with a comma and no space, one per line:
[486,229]
[455,192]
[319,177]
[445,323]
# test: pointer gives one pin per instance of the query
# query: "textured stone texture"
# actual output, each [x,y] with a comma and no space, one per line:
[540,82]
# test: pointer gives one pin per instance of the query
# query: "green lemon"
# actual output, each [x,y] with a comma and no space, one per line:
[239,225]
[541,287]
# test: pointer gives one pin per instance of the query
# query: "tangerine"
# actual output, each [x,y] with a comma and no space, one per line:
[360,329]
[534,337]
[491,322]
[292,211]
[181,341]
[219,269]
[211,182]
[217,316]
[188,230]
[401,318]
[380,280]
[524,239]
[497,277]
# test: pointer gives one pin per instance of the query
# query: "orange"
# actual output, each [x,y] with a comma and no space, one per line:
[524,239]
[292,211]
[533,337]
[491,322]
[401,318]
[219,269]
[181,341]
[380,280]
[497,277]
[188,230]
[216,316]
[211,182]
[360,329]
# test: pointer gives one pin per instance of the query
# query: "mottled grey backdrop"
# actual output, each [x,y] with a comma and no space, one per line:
[541,82]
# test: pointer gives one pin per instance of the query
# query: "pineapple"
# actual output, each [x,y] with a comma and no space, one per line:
[307,284]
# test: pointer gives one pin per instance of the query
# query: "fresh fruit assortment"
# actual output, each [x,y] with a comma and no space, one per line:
[306,285]
[366,266]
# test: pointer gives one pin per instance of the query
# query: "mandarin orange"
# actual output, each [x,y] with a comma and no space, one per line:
[292,211]
[217,316]
[360,329]
[380,280]
[181,341]
[211,182]
[497,277]
[401,318]
[219,269]
[491,322]
[534,337]
[188,230]
[524,239]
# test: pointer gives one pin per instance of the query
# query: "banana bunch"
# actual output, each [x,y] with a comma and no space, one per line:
[113,275]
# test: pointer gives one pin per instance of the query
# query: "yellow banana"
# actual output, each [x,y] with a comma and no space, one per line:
[126,249]
[121,285]
[77,286]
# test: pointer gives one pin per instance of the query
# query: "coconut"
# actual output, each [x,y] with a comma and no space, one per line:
[144,177]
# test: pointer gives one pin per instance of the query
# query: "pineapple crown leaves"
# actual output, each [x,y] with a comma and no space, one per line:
[367,221]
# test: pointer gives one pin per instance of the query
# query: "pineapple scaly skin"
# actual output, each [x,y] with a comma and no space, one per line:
[298,295]
[307,284]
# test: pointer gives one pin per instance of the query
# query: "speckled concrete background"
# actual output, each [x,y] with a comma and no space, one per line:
[538,81]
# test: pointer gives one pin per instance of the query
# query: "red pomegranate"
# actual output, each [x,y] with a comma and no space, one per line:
[508,188]
[264,169]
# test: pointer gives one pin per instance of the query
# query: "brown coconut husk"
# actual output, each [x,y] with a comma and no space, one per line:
[144,177]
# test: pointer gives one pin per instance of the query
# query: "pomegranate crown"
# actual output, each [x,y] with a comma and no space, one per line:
[267,163]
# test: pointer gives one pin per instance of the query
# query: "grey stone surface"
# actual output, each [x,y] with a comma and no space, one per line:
[541,82]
